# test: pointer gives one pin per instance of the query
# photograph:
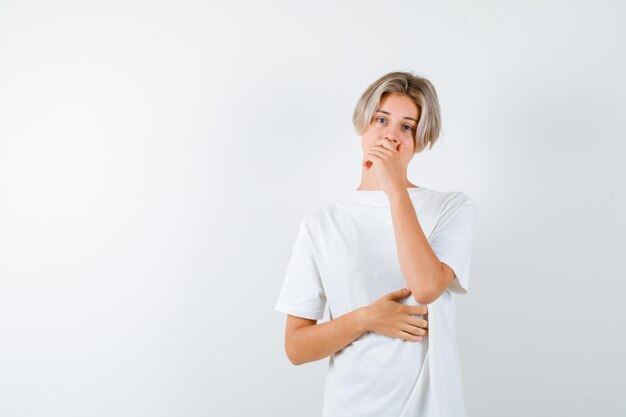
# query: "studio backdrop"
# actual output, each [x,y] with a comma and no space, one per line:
[156,159]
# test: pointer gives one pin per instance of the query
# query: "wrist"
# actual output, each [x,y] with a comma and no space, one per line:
[362,319]
[397,192]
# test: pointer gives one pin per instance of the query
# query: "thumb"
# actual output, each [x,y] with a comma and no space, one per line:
[399,293]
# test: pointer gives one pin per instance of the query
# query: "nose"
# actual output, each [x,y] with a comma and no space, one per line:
[392,136]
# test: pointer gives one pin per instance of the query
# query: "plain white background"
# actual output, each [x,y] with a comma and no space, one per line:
[156,158]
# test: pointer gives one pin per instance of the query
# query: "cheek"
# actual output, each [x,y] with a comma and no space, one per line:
[369,138]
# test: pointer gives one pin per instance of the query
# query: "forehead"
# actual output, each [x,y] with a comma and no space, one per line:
[398,104]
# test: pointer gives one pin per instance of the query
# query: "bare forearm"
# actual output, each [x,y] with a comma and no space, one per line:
[418,262]
[312,343]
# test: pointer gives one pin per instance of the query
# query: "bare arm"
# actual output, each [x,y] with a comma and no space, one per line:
[307,341]
[427,277]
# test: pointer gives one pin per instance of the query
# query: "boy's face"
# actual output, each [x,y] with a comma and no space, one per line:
[396,118]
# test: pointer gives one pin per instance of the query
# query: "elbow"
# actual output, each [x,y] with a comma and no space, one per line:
[423,300]
[296,363]
[295,346]
[429,293]
[293,359]
[424,297]
[292,356]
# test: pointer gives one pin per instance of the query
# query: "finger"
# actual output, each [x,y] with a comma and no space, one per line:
[414,321]
[374,156]
[383,143]
[414,330]
[369,163]
[380,150]
[408,336]
[388,144]
[385,147]
[403,292]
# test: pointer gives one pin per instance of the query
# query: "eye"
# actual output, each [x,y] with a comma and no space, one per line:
[378,118]
[410,127]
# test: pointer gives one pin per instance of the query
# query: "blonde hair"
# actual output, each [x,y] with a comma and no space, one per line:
[419,89]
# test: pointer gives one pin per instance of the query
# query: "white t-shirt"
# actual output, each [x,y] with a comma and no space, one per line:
[345,255]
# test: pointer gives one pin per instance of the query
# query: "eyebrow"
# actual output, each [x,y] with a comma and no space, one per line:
[386,112]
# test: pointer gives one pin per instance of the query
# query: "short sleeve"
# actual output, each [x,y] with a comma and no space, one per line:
[451,241]
[302,293]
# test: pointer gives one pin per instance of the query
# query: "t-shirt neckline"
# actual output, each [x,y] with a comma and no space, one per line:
[377,197]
